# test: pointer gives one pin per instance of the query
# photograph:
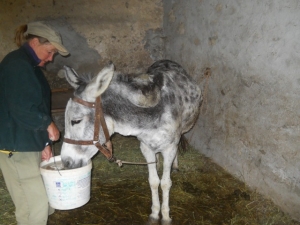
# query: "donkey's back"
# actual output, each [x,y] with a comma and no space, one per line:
[180,90]
[161,104]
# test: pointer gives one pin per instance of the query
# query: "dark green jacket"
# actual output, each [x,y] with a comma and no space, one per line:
[25,112]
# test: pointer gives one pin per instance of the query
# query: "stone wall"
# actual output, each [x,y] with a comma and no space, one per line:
[129,33]
[246,57]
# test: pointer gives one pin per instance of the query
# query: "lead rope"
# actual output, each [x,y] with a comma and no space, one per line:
[120,163]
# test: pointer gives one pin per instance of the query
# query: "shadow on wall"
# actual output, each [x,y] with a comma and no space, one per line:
[82,58]
[154,43]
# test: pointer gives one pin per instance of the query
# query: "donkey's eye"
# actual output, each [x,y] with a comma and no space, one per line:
[75,122]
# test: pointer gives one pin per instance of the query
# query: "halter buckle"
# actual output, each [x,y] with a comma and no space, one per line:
[95,142]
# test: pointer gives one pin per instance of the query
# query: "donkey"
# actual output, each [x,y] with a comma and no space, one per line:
[157,107]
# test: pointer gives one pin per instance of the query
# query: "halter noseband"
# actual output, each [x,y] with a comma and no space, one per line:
[106,148]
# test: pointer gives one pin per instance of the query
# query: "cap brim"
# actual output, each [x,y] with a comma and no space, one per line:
[60,48]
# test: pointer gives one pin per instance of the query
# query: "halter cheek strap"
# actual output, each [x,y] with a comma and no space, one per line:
[106,148]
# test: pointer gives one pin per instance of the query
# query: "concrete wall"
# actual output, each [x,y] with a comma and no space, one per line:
[246,57]
[126,32]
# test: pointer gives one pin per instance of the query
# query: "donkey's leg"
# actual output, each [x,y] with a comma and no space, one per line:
[169,155]
[153,181]
[175,168]
[157,161]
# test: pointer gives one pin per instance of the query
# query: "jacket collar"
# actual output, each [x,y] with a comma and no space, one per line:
[34,59]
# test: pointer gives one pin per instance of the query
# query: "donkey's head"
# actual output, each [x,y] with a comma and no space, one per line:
[79,118]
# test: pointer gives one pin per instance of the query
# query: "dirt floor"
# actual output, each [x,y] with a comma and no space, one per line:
[202,194]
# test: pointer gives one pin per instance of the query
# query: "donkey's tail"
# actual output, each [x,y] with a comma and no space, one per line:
[183,145]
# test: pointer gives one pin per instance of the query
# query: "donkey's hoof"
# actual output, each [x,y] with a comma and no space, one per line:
[152,221]
[166,222]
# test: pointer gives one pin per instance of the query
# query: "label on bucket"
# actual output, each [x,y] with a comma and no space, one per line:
[68,192]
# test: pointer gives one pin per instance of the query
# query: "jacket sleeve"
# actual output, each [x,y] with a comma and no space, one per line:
[25,96]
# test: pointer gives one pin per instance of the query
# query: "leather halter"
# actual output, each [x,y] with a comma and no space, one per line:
[106,148]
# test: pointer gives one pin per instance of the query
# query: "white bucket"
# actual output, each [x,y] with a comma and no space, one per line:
[66,189]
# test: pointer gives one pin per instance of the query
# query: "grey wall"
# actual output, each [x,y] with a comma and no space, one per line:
[246,57]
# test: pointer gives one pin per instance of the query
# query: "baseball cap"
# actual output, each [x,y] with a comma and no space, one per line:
[42,30]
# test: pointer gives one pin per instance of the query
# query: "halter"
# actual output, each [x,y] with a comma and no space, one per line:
[106,148]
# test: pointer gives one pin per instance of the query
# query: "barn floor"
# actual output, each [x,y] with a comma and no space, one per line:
[202,194]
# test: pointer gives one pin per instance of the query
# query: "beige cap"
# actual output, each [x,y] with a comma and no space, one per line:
[42,30]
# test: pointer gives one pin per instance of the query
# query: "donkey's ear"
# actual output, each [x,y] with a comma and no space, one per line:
[99,83]
[71,76]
